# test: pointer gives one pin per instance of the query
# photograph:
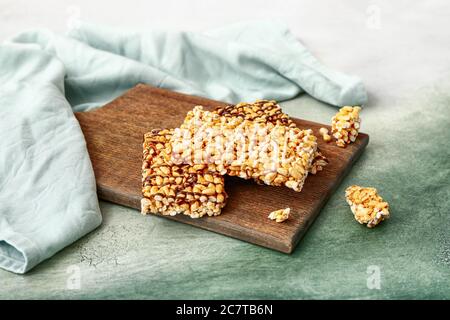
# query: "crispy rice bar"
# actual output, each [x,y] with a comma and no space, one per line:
[265,111]
[170,189]
[272,154]
[177,179]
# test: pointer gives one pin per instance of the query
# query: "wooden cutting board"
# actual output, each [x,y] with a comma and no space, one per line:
[114,140]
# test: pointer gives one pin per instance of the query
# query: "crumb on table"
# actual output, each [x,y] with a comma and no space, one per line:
[280,215]
[325,136]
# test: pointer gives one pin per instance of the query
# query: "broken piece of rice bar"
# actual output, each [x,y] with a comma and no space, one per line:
[318,163]
[272,154]
[345,125]
[367,206]
[264,111]
[280,215]
[171,189]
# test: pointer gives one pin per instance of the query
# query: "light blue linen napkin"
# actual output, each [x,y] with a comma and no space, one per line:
[47,187]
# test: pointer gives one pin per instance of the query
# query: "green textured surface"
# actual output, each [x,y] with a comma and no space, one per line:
[407,159]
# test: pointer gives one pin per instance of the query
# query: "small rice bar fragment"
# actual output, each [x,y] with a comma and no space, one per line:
[345,125]
[268,111]
[280,215]
[171,189]
[367,206]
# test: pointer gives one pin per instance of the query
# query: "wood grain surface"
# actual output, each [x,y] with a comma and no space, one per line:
[114,139]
